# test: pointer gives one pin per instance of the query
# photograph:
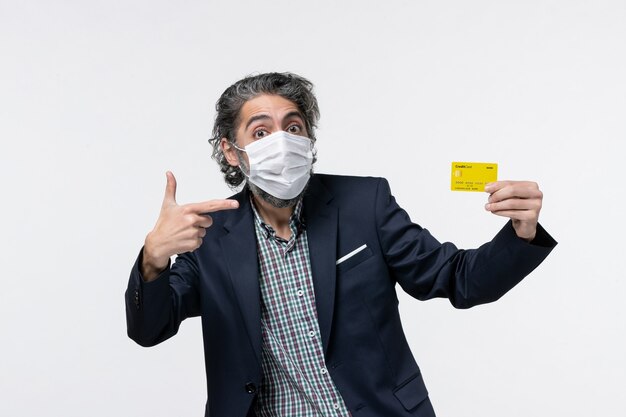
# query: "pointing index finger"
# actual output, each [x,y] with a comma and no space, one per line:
[211,206]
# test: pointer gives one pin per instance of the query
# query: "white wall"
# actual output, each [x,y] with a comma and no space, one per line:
[99,98]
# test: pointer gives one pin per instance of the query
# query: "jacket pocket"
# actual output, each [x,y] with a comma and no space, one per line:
[353,258]
[411,393]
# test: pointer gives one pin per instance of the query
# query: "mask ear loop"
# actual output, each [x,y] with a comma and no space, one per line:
[242,163]
[237,147]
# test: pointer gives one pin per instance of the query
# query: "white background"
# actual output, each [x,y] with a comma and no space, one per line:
[99,98]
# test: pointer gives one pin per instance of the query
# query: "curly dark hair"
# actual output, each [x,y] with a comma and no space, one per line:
[290,86]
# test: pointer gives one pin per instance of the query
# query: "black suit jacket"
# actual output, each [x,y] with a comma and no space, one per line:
[365,348]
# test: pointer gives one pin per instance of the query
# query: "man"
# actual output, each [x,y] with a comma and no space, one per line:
[294,277]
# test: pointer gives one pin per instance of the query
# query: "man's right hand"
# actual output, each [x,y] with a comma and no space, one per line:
[179,229]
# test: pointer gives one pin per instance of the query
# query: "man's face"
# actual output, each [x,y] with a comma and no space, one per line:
[258,118]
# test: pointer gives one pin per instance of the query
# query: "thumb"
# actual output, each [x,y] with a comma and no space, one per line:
[170,189]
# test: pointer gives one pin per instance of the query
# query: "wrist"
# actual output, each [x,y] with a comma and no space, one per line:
[152,262]
[525,231]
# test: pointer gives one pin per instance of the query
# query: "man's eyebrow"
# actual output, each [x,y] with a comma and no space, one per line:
[255,118]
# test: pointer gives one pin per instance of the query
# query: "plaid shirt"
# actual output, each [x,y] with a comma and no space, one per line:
[295,381]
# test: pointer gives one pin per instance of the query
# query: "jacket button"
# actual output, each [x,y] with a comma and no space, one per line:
[250,388]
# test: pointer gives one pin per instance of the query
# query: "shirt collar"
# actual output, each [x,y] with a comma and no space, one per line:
[296,221]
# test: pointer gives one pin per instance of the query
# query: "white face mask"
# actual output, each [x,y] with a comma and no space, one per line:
[280,164]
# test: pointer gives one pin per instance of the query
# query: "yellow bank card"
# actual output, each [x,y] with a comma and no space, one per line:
[472,176]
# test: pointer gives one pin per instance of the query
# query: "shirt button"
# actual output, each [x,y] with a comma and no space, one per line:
[336,406]
[311,333]
[250,388]
[300,293]
[323,371]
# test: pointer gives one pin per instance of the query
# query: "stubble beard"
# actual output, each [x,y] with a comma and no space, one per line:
[274,201]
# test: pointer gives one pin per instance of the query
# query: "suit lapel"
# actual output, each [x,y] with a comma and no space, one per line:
[321,228]
[240,251]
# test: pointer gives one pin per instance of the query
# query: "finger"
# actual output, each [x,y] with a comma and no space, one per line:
[190,245]
[203,221]
[515,204]
[492,187]
[201,232]
[516,189]
[212,206]
[170,189]
[524,215]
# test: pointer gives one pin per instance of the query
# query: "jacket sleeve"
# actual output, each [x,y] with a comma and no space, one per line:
[155,309]
[426,268]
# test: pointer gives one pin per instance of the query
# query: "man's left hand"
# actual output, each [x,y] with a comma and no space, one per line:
[518,200]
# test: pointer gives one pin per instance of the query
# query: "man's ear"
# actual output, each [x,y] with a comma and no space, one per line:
[229,152]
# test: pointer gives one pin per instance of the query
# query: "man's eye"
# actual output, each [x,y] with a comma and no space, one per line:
[294,129]
[260,134]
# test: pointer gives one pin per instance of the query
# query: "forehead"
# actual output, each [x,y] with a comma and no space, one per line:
[276,107]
